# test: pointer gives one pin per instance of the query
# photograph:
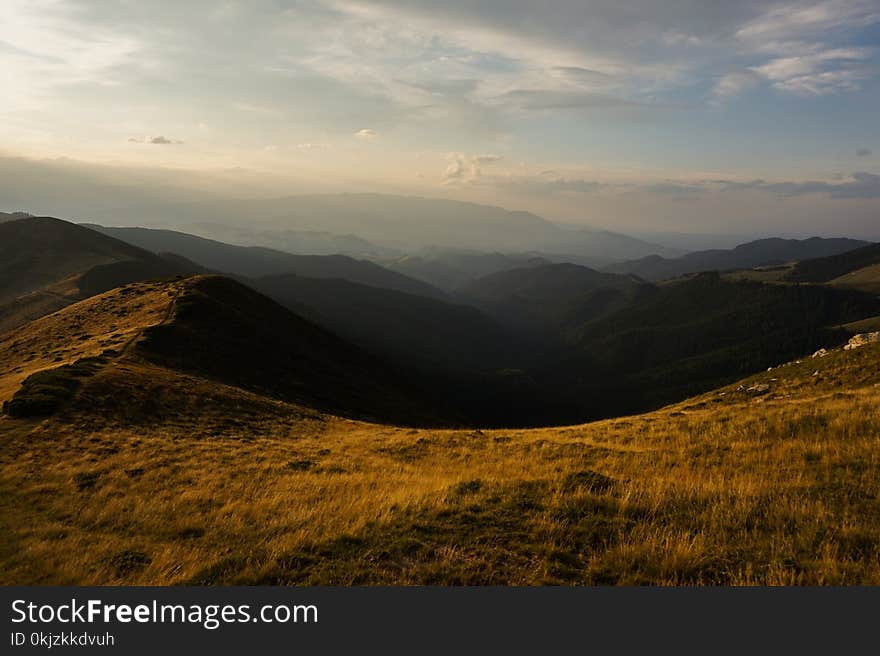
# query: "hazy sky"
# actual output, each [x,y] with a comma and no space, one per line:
[631,114]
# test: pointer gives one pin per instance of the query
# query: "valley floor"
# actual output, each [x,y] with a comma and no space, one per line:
[194,482]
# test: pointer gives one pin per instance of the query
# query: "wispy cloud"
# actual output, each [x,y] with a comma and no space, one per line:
[734,83]
[157,140]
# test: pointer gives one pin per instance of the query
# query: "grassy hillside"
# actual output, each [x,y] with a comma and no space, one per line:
[829,268]
[39,251]
[47,264]
[866,279]
[151,476]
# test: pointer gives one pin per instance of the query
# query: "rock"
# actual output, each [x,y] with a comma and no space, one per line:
[821,353]
[759,388]
[862,339]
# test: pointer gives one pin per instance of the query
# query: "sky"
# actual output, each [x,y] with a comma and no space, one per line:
[634,115]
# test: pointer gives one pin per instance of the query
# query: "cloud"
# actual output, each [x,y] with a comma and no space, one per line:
[543,100]
[366,135]
[799,34]
[863,152]
[860,184]
[305,147]
[818,73]
[798,19]
[158,140]
[735,83]
[674,190]
[466,169]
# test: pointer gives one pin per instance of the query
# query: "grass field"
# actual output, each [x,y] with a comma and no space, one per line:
[150,476]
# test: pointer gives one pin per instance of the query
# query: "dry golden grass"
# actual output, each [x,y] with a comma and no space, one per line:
[154,477]
[866,279]
[88,328]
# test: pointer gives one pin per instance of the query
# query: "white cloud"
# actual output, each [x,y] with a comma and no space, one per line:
[820,73]
[366,135]
[797,19]
[466,169]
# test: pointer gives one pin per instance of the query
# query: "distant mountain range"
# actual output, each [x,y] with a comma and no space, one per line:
[404,223]
[745,256]
[534,342]
[451,269]
[255,262]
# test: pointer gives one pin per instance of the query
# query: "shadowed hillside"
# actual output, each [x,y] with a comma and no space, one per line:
[38,251]
[412,329]
[46,264]
[691,336]
[828,268]
[230,333]
[550,297]
[256,262]
[450,269]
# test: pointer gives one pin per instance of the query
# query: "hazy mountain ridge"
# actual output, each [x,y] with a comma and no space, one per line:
[451,269]
[401,222]
[544,298]
[256,261]
[745,256]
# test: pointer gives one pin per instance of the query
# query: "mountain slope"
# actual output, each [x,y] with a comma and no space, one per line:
[412,329]
[450,269]
[866,279]
[687,337]
[550,297]
[46,264]
[764,482]
[38,251]
[825,269]
[13,216]
[254,261]
[744,256]
[216,330]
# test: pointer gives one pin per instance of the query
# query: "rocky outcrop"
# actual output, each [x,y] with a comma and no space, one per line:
[862,339]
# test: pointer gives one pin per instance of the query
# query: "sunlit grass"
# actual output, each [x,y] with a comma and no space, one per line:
[187,481]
